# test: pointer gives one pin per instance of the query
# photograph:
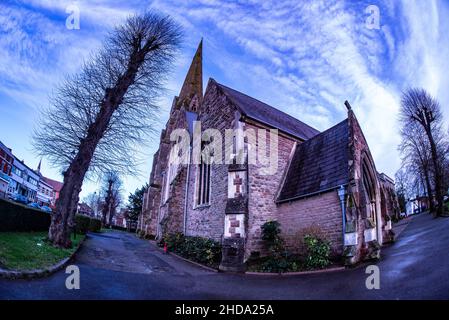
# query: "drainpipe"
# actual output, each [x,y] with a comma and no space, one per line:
[187,191]
[342,195]
[158,220]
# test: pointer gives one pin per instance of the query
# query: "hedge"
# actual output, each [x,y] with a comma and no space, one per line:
[202,250]
[15,217]
[86,223]
[95,225]
[82,223]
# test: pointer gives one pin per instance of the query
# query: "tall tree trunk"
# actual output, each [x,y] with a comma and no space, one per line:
[437,171]
[104,213]
[426,174]
[62,220]
[107,205]
[111,214]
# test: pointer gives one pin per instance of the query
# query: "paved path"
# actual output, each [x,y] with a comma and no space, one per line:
[117,265]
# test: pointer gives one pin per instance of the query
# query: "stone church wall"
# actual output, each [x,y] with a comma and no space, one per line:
[208,221]
[365,244]
[262,193]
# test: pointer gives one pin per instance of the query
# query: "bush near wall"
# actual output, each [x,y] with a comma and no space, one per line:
[19,218]
[318,252]
[95,225]
[85,223]
[314,251]
[201,250]
[82,223]
[143,235]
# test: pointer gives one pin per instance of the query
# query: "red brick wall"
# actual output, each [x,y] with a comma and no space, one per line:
[323,211]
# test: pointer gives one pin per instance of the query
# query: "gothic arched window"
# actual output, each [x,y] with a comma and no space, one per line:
[203,180]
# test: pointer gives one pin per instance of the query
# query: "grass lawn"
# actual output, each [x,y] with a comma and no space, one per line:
[29,250]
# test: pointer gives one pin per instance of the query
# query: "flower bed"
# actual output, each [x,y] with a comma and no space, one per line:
[201,250]
[315,252]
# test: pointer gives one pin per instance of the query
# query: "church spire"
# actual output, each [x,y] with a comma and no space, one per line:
[39,166]
[193,83]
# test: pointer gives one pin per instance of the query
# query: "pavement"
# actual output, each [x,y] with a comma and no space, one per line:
[118,265]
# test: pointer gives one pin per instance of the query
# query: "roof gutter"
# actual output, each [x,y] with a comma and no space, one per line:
[244,118]
[311,194]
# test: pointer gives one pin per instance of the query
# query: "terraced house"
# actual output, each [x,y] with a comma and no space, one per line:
[323,179]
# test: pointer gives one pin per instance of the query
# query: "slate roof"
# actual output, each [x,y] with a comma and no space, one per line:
[6,149]
[318,164]
[262,112]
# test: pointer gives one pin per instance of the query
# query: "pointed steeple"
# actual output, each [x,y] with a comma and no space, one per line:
[39,166]
[193,83]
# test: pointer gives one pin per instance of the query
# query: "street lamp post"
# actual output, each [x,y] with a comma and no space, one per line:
[342,196]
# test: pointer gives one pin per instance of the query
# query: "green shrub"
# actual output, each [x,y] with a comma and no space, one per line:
[15,217]
[202,250]
[82,223]
[94,225]
[313,230]
[278,259]
[173,241]
[148,236]
[271,231]
[318,252]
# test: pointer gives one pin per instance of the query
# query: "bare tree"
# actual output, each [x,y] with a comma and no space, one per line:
[99,116]
[94,201]
[112,189]
[401,182]
[417,159]
[419,107]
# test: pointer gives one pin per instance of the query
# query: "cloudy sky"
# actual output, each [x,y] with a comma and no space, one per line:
[305,58]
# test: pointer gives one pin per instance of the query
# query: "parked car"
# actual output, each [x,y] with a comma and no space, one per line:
[20,199]
[46,209]
[34,205]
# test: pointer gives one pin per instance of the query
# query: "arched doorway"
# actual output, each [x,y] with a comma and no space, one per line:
[368,194]
[370,206]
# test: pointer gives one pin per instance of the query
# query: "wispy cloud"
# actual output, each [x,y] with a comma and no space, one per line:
[304,57]
[307,58]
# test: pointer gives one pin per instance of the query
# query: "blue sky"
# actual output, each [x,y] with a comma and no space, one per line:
[303,57]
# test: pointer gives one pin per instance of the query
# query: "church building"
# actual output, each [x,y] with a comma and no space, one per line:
[326,180]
